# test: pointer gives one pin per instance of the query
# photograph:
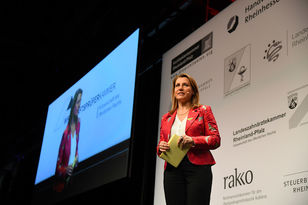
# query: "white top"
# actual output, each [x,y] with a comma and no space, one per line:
[73,149]
[178,126]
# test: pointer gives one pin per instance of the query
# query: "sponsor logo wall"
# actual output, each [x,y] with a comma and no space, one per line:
[251,65]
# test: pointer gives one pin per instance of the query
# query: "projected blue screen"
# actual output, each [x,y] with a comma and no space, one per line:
[105,111]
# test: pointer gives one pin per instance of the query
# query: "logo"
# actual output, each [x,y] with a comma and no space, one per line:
[298,103]
[296,182]
[237,70]
[192,53]
[272,51]
[232,24]
[241,72]
[232,64]
[238,179]
[292,100]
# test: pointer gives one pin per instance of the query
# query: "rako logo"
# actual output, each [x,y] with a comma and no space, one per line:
[238,179]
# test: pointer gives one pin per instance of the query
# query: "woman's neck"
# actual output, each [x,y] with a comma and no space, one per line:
[184,107]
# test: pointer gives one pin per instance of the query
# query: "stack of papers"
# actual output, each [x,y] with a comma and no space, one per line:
[175,154]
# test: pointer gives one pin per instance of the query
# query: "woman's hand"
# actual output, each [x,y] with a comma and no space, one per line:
[163,146]
[69,170]
[185,141]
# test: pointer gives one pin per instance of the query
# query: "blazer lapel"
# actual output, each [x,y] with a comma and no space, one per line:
[170,121]
[192,116]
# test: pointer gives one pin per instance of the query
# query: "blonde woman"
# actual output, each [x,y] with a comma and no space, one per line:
[191,182]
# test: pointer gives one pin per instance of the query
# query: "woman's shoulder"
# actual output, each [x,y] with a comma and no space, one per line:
[203,108]
[166,116]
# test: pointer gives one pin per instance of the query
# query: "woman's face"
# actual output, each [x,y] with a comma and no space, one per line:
[183,90]
[77,105]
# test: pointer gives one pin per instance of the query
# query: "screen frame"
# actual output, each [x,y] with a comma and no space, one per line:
[43,191]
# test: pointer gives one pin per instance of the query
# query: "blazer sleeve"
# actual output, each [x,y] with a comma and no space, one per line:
[162,137]
[211,140]
[77,153]
[60,169]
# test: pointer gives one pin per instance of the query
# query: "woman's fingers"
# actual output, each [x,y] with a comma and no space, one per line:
[164,146]
[181,140]
[184,141]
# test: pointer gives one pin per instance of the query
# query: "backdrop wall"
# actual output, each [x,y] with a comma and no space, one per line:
[251,65]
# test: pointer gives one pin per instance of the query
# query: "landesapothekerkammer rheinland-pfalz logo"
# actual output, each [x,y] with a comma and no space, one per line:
[237,70]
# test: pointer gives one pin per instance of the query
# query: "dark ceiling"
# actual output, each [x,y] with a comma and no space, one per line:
[46,46]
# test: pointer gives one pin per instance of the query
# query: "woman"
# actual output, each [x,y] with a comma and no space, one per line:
[190,183]
[68,150]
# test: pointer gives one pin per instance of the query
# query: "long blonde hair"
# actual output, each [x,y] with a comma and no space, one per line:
[194,98]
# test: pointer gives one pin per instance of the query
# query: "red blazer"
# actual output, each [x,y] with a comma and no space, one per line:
[65,150]
[200,124]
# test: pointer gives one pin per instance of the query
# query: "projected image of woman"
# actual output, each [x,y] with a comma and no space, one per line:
[191,182]
[68,150]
